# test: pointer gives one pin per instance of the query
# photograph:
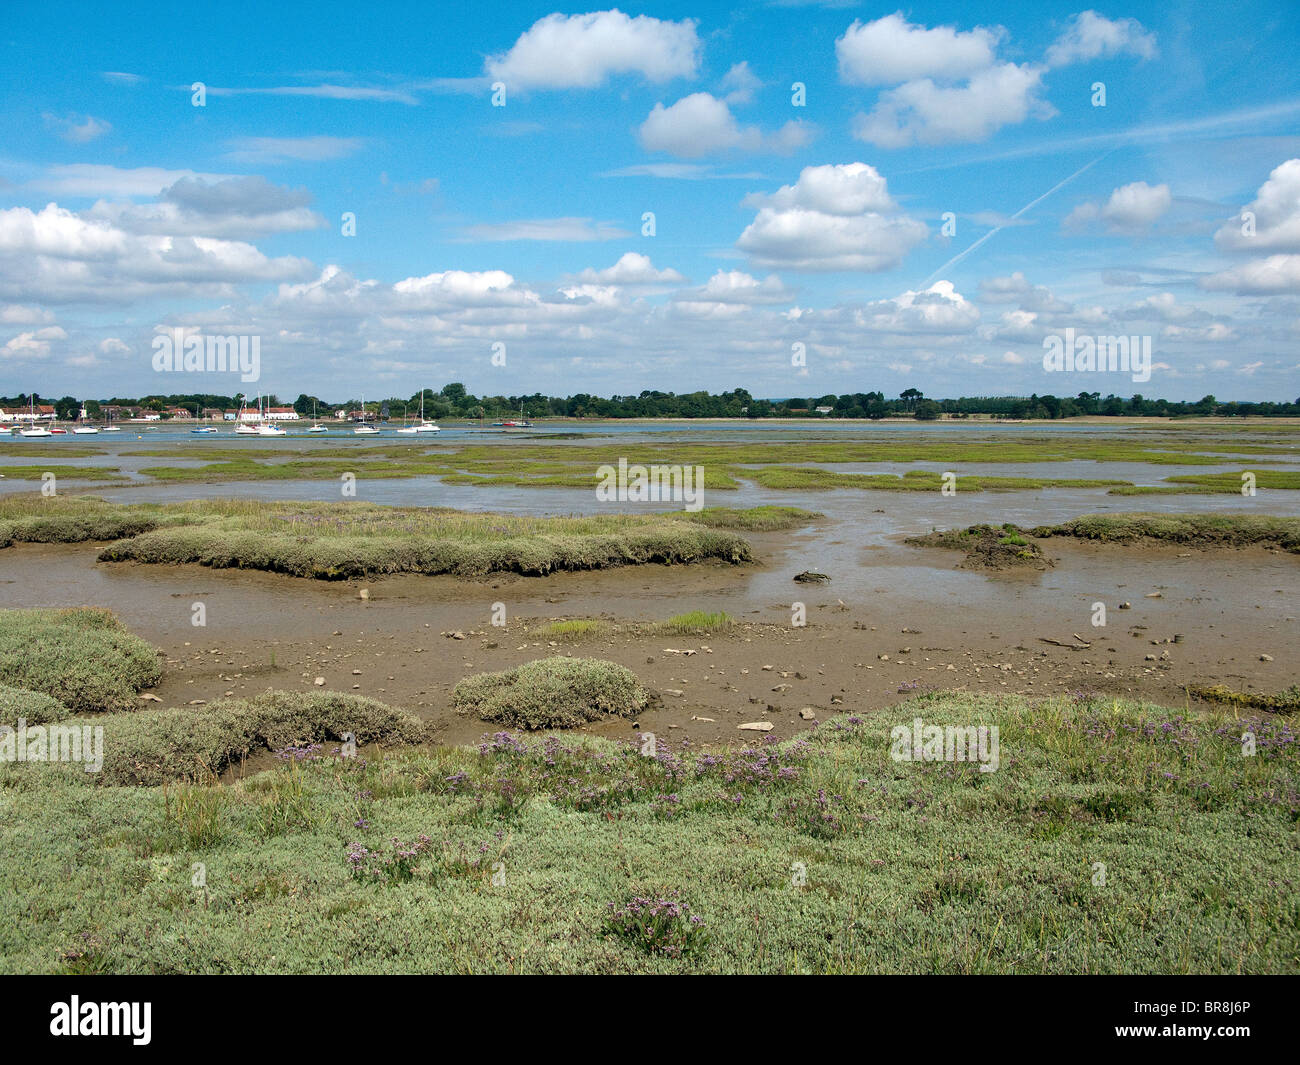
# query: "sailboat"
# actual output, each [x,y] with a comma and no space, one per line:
[34,430]
[84,428]
[109,427]
[316,426]
[363,429]
[425,426]
[522,423]
[243,428]
[264,426]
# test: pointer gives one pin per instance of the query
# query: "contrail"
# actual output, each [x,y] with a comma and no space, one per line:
[997,229]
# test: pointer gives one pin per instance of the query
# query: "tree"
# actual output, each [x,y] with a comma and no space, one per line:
[910,396]
[927,410]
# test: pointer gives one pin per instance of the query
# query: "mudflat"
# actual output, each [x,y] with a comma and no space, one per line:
[899,620]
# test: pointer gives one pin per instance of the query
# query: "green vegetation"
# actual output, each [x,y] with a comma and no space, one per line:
[552,693]
[913,481]
[692,623]
[696,621]
[36,708]
[986,546]
[1284,702]
[804,463]
[1196,530]
[197,743]
[562,854]
[781,464]
[84,658]
[752,519]
[77,519]
[575,629]
[63,473]
[348,540]
[1212,484]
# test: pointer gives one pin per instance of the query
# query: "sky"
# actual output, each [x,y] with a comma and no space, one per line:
[795,198]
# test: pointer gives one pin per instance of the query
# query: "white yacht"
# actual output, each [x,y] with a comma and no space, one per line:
[425,426]
[34,430]
[365,429]
[316,425]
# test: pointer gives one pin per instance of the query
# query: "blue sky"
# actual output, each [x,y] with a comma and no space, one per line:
[948,195]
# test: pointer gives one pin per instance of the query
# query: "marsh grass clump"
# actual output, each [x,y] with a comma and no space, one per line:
[339,541]
[194,811]
[552,693]
[987,546]
[691,623]
[751,519]
[695,621]
[196,743]
[85,658]
[1283,702]
[1195,530]
[574,629]
[36,708]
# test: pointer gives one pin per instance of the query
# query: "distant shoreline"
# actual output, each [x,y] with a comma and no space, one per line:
[977,419]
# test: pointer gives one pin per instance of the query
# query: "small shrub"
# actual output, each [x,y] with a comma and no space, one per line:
[190,743]
[36,708]
[85,658]
[657,926]
[552,693]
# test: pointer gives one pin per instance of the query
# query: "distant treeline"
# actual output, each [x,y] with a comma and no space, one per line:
[453,401]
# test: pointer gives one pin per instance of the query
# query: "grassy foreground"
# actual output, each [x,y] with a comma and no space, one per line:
[1113,838]
[350,539]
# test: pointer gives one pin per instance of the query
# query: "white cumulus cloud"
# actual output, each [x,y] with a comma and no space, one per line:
[837,217]
[1093,36]
[891,50]
[583,51]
